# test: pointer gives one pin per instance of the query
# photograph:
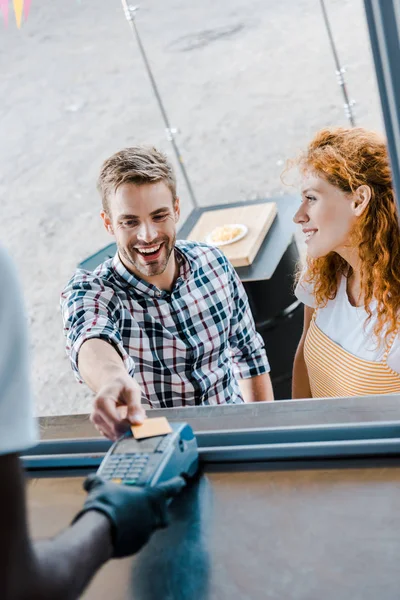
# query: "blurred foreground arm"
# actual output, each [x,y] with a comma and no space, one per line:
[115,521]
[58,568]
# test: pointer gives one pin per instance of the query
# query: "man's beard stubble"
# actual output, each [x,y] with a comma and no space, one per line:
[152,269]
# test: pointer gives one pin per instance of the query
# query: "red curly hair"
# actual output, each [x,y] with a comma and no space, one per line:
[347,159]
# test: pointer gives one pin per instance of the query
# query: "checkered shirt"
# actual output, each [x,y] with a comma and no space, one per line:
[186,347]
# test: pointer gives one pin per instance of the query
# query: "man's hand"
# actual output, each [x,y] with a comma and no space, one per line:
[135,512]
[117,406]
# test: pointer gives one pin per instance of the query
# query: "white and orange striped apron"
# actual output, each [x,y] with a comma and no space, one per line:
[332,371]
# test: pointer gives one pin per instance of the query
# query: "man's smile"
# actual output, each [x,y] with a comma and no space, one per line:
[149,253]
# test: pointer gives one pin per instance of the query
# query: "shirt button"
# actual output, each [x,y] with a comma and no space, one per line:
[158,293]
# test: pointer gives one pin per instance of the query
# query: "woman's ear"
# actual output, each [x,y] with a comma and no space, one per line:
[361,199]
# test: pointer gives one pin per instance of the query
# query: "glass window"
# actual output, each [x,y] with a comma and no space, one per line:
[246,87]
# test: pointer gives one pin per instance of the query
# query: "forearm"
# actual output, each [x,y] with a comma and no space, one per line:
[117,402]
[300,380]
[65,565]
[99,362]
[257,389]
[55,569]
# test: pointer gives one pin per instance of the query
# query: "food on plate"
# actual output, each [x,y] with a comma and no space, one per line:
[225,233]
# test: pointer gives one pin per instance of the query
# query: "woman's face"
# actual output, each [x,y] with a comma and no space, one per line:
[326,215]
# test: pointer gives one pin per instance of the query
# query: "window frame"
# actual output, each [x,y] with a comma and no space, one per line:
[279,432]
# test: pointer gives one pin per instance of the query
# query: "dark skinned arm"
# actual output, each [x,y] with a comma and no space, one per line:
[115,521]
[56,568]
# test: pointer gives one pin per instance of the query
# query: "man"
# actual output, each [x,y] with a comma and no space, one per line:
[115,521]
[165,322]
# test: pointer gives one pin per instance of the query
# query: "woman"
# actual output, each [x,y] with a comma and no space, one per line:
[351,283]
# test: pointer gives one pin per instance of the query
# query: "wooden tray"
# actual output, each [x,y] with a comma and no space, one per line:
[257,217]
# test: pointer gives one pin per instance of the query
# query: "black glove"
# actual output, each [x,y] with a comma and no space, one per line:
[135,512]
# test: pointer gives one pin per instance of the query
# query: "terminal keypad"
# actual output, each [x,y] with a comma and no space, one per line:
[129,469]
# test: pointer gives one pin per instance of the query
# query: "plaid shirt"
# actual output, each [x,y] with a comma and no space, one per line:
[185,347]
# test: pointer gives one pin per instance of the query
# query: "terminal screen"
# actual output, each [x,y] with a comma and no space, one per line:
[130,445]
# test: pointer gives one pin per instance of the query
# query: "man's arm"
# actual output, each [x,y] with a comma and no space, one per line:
[58,568]
[257,389]
[248,353]
[300,382]
[102,368]
[98,357]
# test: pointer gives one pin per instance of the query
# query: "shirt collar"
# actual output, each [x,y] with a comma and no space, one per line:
[185,263]
[143,286]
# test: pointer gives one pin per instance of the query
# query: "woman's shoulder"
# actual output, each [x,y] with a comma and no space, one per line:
[304,291]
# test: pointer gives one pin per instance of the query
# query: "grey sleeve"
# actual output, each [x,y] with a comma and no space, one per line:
[18,428]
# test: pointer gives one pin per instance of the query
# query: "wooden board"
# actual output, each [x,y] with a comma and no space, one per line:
[257,217]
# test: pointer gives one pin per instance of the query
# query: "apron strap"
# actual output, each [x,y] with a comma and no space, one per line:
[389,346]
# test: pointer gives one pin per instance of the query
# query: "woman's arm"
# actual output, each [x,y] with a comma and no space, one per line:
[300,382]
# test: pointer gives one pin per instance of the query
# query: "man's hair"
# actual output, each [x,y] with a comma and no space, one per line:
[138,165]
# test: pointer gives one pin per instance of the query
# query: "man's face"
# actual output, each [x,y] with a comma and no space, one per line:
[143,219]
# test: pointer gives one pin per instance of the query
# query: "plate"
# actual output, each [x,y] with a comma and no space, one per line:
[239,236]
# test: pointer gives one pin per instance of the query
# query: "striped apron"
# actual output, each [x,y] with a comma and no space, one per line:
[332,371]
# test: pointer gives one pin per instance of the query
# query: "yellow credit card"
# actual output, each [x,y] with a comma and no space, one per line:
[151,428]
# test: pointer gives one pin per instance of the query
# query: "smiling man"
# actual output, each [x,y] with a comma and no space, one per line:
[164,323]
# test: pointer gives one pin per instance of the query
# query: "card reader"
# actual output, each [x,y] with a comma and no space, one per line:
[151,460]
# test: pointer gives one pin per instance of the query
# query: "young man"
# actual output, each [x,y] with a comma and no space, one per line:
[163,322]
[115,521]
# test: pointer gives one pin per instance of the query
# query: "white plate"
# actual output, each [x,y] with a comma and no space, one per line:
[239,236]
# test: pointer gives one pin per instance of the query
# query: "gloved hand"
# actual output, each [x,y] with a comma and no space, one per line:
[135,512]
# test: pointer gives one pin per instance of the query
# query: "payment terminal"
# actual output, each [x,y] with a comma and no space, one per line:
[151,460]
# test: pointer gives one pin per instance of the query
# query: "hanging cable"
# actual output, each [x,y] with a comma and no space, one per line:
[339,70]
[130,17]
